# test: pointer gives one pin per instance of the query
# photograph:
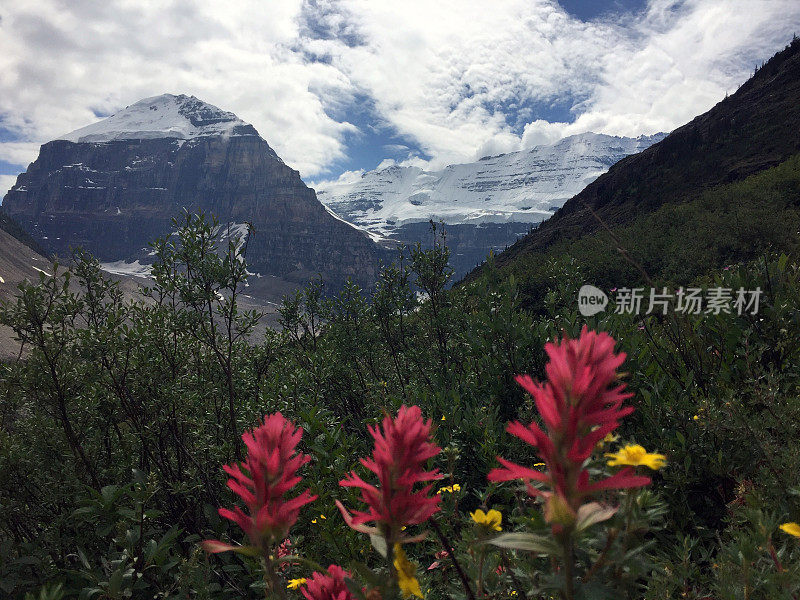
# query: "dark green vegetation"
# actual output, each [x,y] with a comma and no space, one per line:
[115,427]
[679,242]
[113,431]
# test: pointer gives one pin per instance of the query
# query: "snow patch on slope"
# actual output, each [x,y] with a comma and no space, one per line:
[166,116]
[375,237]
[120,267]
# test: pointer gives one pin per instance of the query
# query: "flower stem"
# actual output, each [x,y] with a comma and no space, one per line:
[481,558]
[612,535]
[778,565]
[449,549]
[272,588]
[507,564]
[569,566]
[293,558]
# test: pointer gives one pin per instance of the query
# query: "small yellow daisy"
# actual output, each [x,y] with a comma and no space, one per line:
[492,519]
[450,488]
[634,455]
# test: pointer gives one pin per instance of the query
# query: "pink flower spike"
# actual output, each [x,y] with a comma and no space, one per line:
[262,481]
[328,586]
[580,403]
[402,447]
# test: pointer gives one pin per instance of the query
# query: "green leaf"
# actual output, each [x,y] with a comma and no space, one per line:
[529,542]
[595,591]
[370,577]
[115,581]
[354,588]
[592,513]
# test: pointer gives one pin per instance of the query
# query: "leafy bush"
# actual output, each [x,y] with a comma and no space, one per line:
[113,427]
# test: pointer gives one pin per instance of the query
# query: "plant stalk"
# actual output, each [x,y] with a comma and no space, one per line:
[569,566]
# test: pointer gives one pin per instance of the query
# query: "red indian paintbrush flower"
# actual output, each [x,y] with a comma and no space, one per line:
[330,586]
[580,404]
[262,480]
[402,447]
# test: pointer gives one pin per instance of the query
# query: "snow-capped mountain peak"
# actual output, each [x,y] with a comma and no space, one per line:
[518,187]
[165,116]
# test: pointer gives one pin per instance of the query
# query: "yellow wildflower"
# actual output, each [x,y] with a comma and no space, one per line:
[791,529]
[492,519]
[321,517]
[696,418]
[296,583]
[443,419]
[406,573]
[634,456]
[539,465]
[450,488]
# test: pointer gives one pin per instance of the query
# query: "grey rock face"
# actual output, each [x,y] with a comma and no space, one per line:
[114,197]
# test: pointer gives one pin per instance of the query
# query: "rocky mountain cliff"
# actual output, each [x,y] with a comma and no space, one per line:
[114,186]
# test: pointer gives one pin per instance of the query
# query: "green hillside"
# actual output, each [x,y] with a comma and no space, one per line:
[677,243]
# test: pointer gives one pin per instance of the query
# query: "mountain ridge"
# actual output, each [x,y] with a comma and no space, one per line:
[522,187]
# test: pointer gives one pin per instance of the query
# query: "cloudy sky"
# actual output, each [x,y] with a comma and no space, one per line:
[336,86]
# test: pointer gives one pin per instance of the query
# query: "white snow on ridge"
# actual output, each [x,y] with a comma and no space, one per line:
[166,116]
[375,237]
[525,187]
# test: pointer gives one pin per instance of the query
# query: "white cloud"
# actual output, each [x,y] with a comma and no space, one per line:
[19,153]
[542,133]
[344,178]
[676,64]
[449,76]
[61,60]
[6,181]
[444,73]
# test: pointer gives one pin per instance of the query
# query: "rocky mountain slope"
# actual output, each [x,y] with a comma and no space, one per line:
[114,186]
[18,262]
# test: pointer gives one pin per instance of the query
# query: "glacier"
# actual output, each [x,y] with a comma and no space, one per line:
[518,187]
